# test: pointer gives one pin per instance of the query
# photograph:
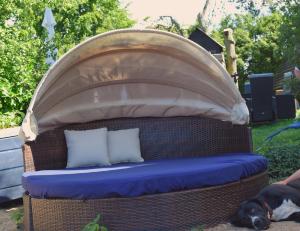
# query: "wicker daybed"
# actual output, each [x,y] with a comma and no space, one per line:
[182,100]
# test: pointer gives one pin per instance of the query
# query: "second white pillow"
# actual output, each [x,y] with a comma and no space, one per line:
[124,146]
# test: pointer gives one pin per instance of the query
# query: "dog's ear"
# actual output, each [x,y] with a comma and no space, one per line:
[235,220]
[258,201]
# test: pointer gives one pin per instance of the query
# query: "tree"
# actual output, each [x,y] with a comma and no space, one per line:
[168,23]
[207,13]
[254,7]
[22,47]
[212,7]
[257,42]
[202,16]
[290,31]
[290,39]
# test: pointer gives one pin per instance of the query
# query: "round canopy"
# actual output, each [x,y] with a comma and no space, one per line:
[133,73]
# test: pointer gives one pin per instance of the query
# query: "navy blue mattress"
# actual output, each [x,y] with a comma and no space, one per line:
[136,179]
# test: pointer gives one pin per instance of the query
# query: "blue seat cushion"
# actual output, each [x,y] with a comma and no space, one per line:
[149,177]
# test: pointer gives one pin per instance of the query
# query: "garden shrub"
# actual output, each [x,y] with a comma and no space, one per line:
[94,225]
[17,216]
[283,160]
[11,119]
[294,85]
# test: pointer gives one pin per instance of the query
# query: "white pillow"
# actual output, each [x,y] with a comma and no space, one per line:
[87,148]
[124,146]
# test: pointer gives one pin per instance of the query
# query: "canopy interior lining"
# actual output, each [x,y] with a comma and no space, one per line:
[92,77]
[133,73]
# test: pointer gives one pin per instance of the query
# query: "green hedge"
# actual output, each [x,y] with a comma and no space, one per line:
[283,151]
[283,160]
[294,85]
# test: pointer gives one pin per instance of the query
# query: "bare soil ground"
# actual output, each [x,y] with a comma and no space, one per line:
[6,224]
[6,210]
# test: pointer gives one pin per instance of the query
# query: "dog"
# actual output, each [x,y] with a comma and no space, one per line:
[275,202]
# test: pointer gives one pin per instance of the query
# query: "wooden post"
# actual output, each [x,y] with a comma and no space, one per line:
[231,55]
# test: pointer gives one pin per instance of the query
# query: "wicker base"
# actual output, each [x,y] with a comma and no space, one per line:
[169,211]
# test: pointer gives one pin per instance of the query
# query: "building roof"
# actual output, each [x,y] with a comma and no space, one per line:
[207,42]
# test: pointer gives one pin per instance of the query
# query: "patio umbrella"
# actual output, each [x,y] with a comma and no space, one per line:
[49,23]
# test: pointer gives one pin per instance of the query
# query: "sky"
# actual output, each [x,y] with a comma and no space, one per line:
[184,11]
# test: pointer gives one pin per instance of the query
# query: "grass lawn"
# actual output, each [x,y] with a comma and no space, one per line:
[283,151]
[259,133]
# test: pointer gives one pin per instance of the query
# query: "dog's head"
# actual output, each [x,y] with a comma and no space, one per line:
[252,214]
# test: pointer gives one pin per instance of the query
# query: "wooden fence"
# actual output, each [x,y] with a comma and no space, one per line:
[279,75]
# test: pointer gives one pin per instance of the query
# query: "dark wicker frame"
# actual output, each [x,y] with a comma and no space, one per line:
[160,138]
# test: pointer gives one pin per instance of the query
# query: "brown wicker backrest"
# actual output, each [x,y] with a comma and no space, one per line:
[159,137]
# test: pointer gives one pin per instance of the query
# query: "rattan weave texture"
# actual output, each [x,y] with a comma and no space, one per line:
[160,138]
[174,211]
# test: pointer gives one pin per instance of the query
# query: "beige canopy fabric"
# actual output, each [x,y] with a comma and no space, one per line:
[133,73]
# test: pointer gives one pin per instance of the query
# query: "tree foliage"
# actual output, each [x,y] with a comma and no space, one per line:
[254,7]
[168,23]
[265,41]
[290,31]
[294,85]
[22,47]
[257,42]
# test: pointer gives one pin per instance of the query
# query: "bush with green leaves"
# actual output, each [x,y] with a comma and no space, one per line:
[17,216]
[294,85]
[282,151]
[23,50]
[283,160]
